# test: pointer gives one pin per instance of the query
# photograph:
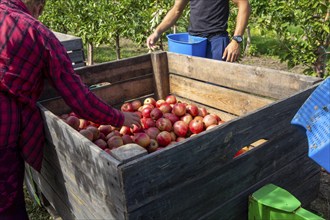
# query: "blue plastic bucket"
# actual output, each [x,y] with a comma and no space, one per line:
[184,43]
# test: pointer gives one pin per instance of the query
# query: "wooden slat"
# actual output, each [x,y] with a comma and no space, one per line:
[111,94]
[160,70]
[304,186]
[77,56]
[93,163]
[231,101]
[212,150]
[116,71]
[223,115]
[257,80]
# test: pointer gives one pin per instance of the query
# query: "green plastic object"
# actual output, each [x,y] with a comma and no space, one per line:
[274,203]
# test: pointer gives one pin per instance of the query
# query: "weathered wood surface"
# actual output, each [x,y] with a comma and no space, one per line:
[111,72]
[171,180]
[74,47]
[160,70]
[257,80]
[89,174]
[114,94]
[228,100]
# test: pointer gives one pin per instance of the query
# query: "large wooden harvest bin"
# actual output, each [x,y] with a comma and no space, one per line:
[198,177]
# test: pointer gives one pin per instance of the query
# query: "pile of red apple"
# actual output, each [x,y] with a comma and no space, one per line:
[163,122]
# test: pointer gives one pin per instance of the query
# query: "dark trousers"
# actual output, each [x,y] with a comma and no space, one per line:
[216,45]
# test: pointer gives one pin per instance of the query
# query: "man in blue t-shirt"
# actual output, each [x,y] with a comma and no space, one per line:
[209,18]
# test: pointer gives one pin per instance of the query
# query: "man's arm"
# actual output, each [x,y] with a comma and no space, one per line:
[169,20]
[232,51]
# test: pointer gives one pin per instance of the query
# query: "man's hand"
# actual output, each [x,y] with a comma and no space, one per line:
[231,52]
[131,118]
[152,39]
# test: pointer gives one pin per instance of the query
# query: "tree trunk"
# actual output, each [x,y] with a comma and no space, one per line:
[90,58]
[248,41]
[321,62]
[118,47]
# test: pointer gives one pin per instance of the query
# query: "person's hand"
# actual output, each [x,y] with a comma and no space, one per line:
[152,39]
[231,52]
[131,118]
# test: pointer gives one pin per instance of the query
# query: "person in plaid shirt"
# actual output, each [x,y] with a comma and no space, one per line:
[29,53]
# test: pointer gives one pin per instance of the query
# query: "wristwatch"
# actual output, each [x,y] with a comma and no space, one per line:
[238,38]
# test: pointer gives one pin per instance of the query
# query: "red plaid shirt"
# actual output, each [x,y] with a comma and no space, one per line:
[29,53]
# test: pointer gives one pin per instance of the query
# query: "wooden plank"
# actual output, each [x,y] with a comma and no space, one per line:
[70,42]
[111,94]
[257,80]
[303,186]
[231,101]
[160,70]
[94,163]
[84,194]
[209,150]
[77,56]
[217,185]
[116,71]
[223,115]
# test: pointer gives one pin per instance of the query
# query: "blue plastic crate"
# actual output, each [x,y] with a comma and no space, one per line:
[184,43]
[314,117]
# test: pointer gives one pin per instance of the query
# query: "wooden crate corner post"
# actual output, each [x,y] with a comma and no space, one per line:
[161,74]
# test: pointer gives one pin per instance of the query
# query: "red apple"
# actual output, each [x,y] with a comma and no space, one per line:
[180,128]
[172,117]
[178,139]
[111,134]
[186,118]
[192,109]
[221,122]
[148,123]
[164,138]
[127,139]
[95,131]
[196,125]
[202,112]
[210,120]
[179,109]
[171,99]
[125,130]
[216,116]
[148,106]
[165,107]
[164,124]
[136,129]
[211,126]
[127,107]
[136,104]
[159,102]
[105,129]
[173,136]
[152,132]
[146,112]
[87,133]
[101,143]
[93,124]
[150,100]
[155,114]
[152,146]
[115,141]
[142,139]
[73,121]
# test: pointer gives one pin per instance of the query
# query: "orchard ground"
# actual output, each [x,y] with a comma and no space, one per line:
[320,206]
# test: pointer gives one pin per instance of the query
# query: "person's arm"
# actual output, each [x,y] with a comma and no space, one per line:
[232,51]
[77,95]
[169,20]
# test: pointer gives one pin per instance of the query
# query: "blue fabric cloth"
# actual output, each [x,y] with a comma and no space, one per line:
[216,45]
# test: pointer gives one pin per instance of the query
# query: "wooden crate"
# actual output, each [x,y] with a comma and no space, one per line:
[74,47]
[198,177]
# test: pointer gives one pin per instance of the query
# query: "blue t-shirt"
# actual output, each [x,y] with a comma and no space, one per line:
[208,17]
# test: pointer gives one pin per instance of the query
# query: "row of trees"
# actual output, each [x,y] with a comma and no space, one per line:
[303,26]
